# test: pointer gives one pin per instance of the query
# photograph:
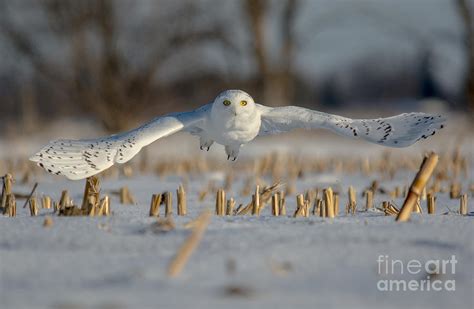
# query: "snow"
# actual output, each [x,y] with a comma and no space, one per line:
[121,261]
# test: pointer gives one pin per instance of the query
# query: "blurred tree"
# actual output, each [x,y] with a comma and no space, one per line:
[98,75]
[465,11]
[274,78]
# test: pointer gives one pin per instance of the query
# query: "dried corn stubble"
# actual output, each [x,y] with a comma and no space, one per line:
[126,196]
[352,205]
[317,207]
[336,204]
[220,202]
[300,206]
[181,200]
[417,208]
[65,200]
[416,188]
[33,207]
[156,201]
[241,210]
[389,209]
[369,199]
[282,203]
[10,206]
[256,201]
[276,204]
[6,189]
[230,207]
[431,204]
[46,202]
[91,189]
[184,253]
[463,205]
[104,207]
[168,200]
[329,202]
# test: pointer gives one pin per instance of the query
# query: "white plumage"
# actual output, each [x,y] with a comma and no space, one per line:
[232,120]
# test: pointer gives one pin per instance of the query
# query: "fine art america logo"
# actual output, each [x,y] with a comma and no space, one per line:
[416,275]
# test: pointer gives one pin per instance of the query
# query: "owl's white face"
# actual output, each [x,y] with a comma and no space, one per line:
[233,103]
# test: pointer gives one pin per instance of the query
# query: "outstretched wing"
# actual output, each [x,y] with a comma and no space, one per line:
[397,131]
[78,159]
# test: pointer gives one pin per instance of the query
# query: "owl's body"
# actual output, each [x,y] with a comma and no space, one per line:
[233,125]
[232,120]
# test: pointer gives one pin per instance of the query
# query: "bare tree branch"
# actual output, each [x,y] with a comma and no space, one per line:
[467,17]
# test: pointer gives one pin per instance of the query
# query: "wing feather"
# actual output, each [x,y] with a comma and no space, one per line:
[398,131]
[78,159]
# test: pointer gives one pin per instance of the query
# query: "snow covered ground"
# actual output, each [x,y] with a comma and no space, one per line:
[257,262]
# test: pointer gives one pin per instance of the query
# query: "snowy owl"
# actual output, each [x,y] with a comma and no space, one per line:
[233,119]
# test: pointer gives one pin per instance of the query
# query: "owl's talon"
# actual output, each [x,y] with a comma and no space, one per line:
[208,148]
[201,147]
[228,157]
[235,158]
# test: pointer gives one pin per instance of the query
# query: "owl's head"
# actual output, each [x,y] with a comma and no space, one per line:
[233,102]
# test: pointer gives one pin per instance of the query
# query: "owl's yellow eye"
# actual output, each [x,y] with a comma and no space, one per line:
[243,103]
[226,102]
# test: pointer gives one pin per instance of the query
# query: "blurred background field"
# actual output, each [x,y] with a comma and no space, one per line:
[119,62]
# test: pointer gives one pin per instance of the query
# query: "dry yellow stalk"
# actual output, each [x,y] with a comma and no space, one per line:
[329,202]
[230,207]
[101,208]
[220,202]
[276,204]
[336,204]
[56,207]
[463,205]
[423,193]
[300,207]
[245,210]
[256,201]
[91,209]
[317,207]
[389,209]
[431,204]
[323,209]
[369,199]
[181,200]
[190,244]
[6,189]
[64,200]
[10,208]
[155,205]
[416,188]
[168,200]
[46,202]
[352,200]
[306,208]
[126,196]
[92,188]
[33,207]
[282,203]
[417,208]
